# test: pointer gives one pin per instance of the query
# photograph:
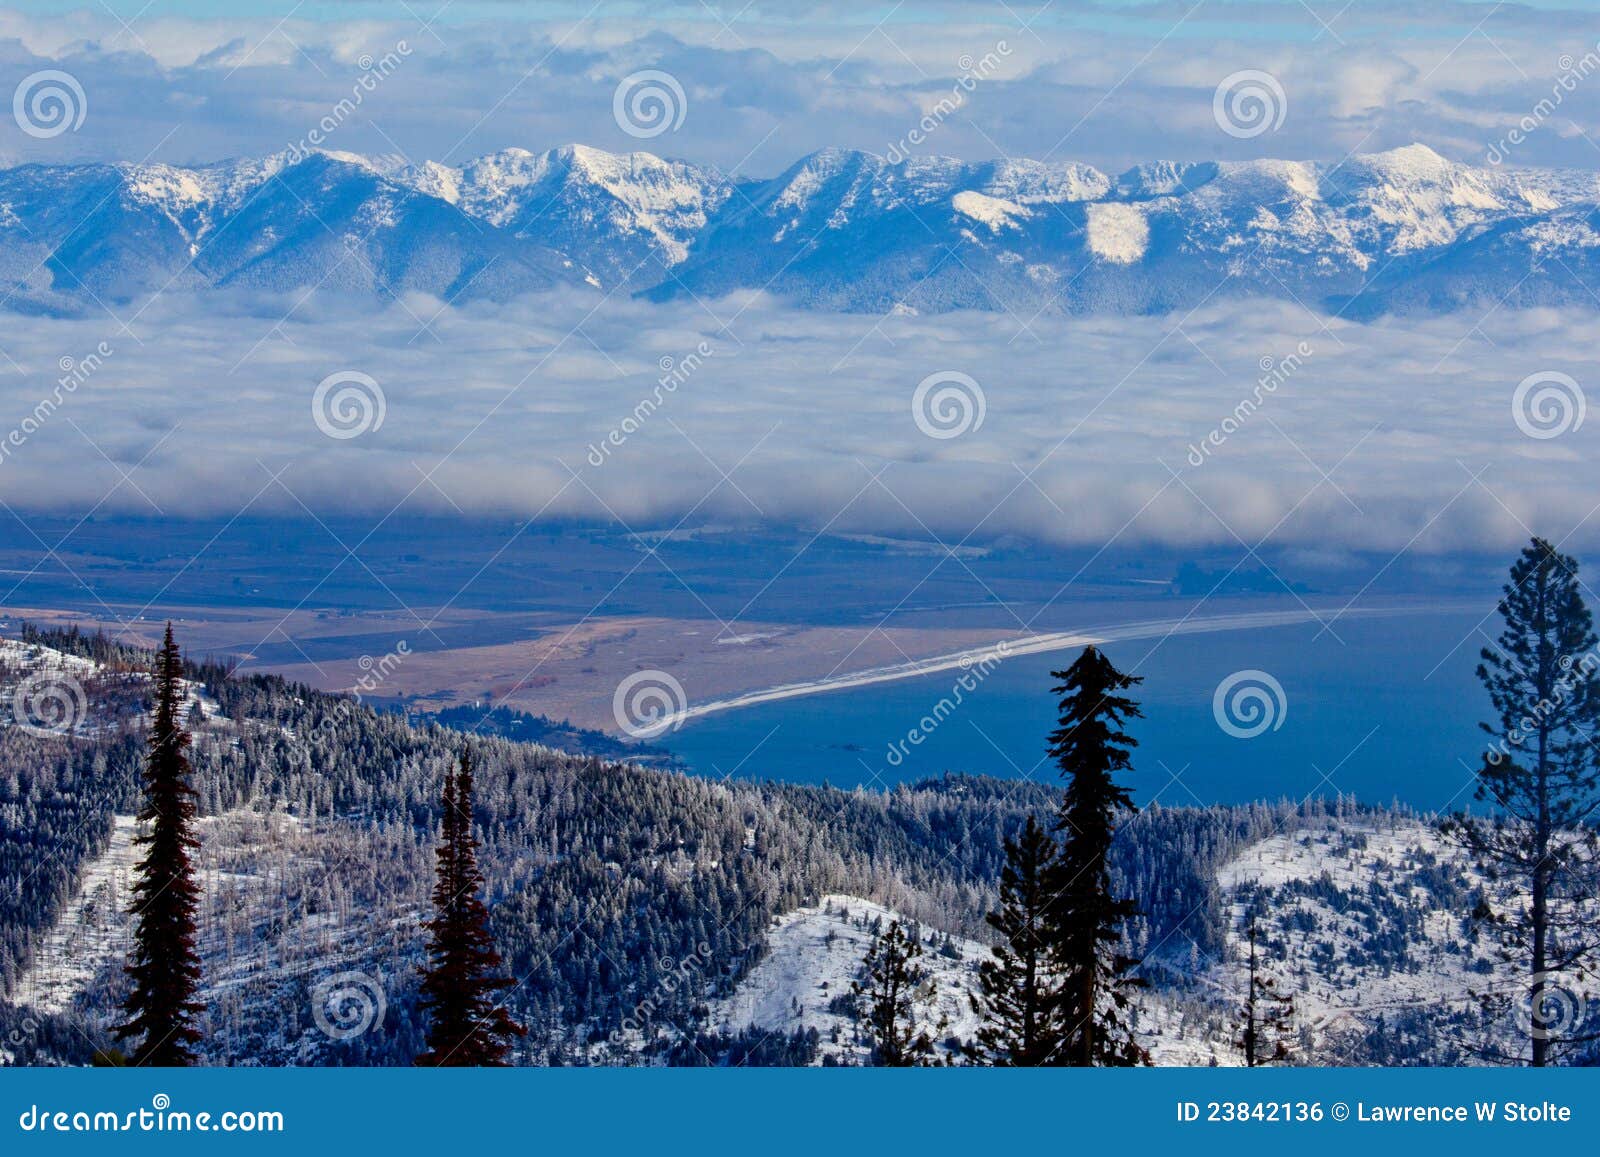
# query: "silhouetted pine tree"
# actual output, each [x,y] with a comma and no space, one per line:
[165,968]
[1268,1014]
[467,1027]
[1085,919]
[886,1002]
[1021,985]
[1543,775]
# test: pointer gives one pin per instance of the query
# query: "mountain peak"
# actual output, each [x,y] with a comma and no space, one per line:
[1413,161]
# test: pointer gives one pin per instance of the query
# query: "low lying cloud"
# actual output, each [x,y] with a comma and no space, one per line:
[1241,422]
[1110,85]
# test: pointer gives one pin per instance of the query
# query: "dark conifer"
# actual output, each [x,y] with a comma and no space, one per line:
[1268,1014]
[886,1003]
[165,967]
[1022,999]
[467,1025]
[1086,919]
[1542,775]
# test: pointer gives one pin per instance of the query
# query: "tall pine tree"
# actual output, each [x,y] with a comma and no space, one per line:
[1021,987]
[886,1003]
[1085,918]
[1542,775]
[164,967]
[1268,1014]
[467,1026]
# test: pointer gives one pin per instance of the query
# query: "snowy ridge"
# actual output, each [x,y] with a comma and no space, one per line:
[840,229]
[255,956]
[1356,967]
[81,697]
[814,954]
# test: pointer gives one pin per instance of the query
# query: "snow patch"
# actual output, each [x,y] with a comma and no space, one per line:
[994,212]
[1118,233]
[813,955]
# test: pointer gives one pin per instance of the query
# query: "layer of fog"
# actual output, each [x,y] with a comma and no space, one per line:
[1388,436]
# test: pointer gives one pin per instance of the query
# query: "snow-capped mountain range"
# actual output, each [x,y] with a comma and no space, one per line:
[1400,231]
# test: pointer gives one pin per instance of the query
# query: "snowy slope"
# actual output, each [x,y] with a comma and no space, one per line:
[73,696]
[814,954]
[256,958]
[1353,928]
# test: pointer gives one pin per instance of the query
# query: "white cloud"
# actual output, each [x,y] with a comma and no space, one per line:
[1109,87]
[1086,420]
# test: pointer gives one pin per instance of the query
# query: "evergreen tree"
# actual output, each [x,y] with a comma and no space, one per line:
[885,1004]
[1022,998]
[467,1026]
[1085,919]
[1542,774]
[1268,1014]
[165,968]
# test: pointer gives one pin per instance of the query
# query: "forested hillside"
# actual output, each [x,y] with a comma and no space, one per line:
[627,901]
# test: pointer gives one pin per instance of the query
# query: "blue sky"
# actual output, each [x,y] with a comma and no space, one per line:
[1110,84]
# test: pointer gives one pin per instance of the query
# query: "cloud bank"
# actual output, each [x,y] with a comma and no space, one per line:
[1241,422]
[1109,85]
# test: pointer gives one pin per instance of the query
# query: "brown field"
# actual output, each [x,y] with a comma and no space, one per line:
[565,670]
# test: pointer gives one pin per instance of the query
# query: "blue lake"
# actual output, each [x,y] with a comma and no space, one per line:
[1391,712]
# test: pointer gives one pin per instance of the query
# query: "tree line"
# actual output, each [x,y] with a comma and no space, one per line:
[1056,991]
